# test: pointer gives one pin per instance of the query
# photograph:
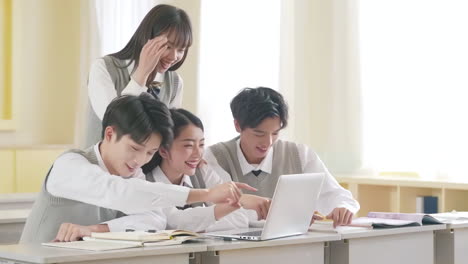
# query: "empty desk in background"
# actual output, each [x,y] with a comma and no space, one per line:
[11,225]
[452,244]
[308,248]
[24,253]
[412,245]
[17,200]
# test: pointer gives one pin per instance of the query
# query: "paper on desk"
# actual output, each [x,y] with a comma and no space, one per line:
[327,226]
[383,222]
[450,217]
[94,245]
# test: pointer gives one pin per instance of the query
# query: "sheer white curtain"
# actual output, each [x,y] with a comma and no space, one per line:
[117,20]
[319,77]
[343,129]
[414,83]
[239,47]
[307,49]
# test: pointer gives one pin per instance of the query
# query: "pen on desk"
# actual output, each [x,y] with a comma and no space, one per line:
[324,218]
[148,231]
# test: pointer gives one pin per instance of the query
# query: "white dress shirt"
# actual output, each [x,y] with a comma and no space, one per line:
[73,177]
[332,194]
[199,219]
[101,90]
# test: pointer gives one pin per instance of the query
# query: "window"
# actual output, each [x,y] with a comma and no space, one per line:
[414,59]
[117,21]
[239,48]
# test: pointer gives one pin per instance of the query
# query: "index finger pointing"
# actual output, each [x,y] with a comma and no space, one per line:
[245,186]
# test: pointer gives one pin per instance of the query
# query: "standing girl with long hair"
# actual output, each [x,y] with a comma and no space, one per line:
[148,63]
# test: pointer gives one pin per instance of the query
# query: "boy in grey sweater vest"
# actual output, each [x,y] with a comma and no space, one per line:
[90,188]
[257,157]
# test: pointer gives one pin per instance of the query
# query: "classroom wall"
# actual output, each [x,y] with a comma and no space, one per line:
[6,108]
[189,70]
[23,169]
[45,71]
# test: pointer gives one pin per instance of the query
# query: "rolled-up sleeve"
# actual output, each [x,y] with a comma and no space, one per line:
[332,195]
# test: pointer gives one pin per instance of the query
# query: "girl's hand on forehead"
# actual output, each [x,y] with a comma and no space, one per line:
[149,58]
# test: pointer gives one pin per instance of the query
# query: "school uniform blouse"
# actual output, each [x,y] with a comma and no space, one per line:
[332,194]
[74,177]
[195,219]
[200,218]
[101,89]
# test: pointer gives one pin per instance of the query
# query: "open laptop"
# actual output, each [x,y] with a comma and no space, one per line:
[291,210]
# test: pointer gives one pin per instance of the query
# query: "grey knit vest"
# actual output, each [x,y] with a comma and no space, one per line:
[49,212]
[286,160]
[120,77]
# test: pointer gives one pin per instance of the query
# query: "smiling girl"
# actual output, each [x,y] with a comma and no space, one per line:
[147,63]
[177,165]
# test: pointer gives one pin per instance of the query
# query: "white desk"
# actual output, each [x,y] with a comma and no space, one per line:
[412,245]
[17,200]
[451,244]
[307,248]
[11,225]
[23,253]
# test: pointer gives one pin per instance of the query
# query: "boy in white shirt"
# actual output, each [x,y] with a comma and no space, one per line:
[92,186]
[257,157]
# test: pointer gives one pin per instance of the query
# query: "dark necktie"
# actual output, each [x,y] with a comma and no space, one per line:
[154,89]
[256,172]
[184,207]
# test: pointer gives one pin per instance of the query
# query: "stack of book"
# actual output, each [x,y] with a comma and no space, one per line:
[121,240]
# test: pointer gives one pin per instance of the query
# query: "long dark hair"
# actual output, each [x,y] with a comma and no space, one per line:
[181,119]
[160,19]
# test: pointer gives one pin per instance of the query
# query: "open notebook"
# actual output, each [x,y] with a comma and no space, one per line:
[121,240]
[451,217]
[378,220]
[392,220]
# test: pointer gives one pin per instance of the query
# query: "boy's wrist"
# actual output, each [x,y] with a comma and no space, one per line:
[100,228]
[221,210]
[198,195]
[139,78]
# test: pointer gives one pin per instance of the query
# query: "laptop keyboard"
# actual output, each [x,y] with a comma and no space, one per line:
[251,233]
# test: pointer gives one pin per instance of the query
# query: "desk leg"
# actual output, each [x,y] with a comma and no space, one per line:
[411,248]
[337,253]
[10,233]
[444,247]
[460,243]
[195,258]
[291,254]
